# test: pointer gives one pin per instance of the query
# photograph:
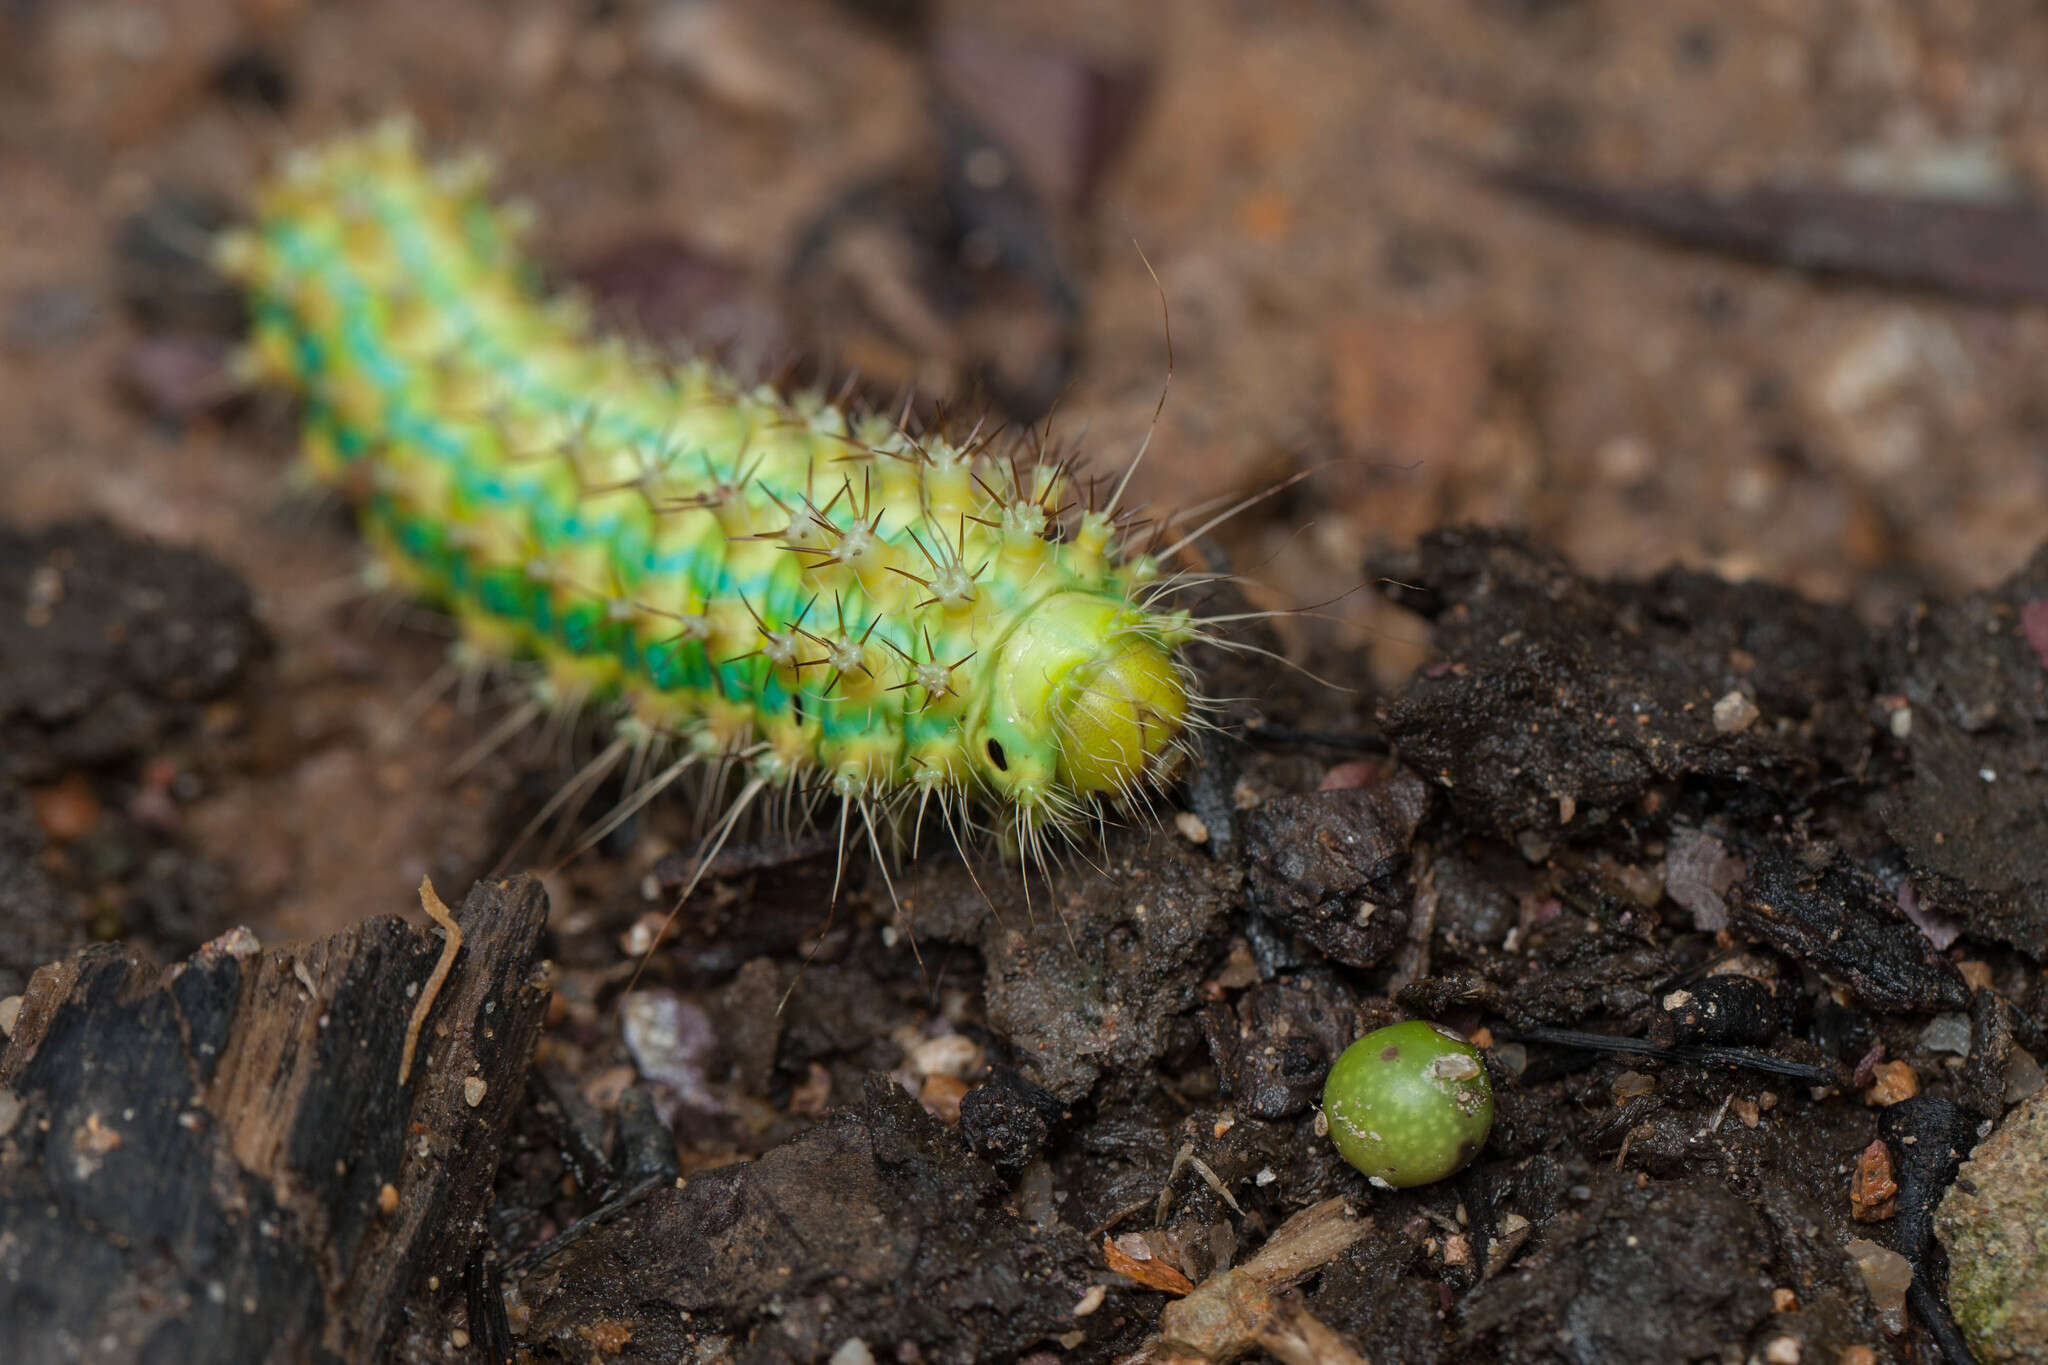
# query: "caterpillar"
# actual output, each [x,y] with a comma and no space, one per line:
[816,598]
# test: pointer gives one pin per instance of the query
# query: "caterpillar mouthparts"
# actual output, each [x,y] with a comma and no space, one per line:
[746,576]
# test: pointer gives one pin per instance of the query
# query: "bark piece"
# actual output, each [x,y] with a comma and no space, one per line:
[198,1167]
[1834,919]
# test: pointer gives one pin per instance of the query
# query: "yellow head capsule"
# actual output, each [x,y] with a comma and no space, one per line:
[1079,699]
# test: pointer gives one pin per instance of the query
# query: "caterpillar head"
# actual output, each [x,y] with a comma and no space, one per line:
[1085,699]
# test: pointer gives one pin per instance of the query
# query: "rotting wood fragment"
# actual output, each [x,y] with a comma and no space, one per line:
[197,1169]
[1834,919]
[1247,1308]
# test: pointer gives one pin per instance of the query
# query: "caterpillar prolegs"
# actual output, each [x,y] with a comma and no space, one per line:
[750,577]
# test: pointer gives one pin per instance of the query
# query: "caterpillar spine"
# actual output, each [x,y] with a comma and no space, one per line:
[749,576]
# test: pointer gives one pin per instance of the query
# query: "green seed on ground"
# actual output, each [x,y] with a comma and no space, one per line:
[1409,1104]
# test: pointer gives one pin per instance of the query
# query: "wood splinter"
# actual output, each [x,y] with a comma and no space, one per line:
[430,901]
[1247,1308]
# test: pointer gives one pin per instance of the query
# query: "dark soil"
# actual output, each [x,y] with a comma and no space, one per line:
[116,652]
[1090,1062]
[1697,859]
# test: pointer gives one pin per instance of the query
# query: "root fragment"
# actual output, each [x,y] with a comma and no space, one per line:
[430,902]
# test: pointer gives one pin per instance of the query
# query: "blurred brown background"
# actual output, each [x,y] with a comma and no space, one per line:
[1301,175]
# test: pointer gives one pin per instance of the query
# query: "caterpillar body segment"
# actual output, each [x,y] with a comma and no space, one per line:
[743,573]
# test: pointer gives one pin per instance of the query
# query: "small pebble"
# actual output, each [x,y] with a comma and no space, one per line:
[1890,1083]
[10,1012]
[1191,827]
[387,1199]
[672,1042]
[1887,1278]
[1734,713]
[1873,1194]
[1782,1351]
[951,1054]
[2023,1076]
[1947,1033]
[638,941]
[1887,1275]
[473,1091]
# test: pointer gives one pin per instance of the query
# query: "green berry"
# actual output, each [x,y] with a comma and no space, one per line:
[1409,1104]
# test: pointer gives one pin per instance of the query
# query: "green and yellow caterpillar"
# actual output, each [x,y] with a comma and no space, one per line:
[750,578]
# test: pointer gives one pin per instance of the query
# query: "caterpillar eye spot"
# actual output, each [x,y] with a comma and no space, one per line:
[997,757]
